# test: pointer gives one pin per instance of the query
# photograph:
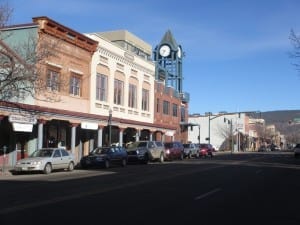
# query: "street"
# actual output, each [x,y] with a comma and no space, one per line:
[239,188]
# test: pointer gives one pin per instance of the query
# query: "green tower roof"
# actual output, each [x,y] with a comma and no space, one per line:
[169,39]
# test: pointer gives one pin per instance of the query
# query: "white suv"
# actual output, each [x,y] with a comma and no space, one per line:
[145,151]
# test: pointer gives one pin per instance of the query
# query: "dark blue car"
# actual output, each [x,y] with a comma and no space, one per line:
[105,156]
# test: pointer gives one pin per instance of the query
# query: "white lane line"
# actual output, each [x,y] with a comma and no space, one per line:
[207,194]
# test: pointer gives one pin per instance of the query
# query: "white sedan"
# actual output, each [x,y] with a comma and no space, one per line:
[46,160]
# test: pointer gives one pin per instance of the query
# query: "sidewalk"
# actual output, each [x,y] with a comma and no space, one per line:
[6,172]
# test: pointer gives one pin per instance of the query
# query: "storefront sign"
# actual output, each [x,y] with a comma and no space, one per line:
[28,119]
[22,127]
[169,133]
[90,126]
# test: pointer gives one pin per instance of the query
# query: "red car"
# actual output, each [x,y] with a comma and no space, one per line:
[174,150]
[206,150]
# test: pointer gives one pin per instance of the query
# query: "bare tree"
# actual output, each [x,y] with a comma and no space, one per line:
[295,54]
[226,133]
[21,71]
[5,14]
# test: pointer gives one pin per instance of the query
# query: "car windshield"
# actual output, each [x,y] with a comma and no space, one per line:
[186,145]
[137,145]
[168,145]
[100,151]
[42,153]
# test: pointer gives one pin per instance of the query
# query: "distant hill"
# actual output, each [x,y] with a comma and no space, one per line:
[281,120]
[283,116]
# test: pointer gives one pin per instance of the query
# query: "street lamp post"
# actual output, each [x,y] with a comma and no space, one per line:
[209,119]
[109,127]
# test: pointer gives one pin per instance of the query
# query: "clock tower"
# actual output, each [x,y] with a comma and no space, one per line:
[170,101]
[168,58]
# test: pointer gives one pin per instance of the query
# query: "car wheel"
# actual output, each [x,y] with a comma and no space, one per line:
[161,158]
[146,159]
[181,156]
[71,166]
[47,168]
[83,166]
[106,164]
[124,162]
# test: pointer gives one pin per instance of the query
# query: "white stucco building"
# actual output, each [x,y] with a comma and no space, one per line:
[215,128]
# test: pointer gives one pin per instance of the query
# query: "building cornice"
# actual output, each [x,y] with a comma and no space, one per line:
[124,60]
[62,32]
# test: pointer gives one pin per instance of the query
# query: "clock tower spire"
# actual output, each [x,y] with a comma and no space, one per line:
[168,59]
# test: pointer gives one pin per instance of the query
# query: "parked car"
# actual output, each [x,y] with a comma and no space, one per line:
[191,150]
[174,150]
[274,147]
[297,150]
[46,160]
[264,148]
[206,150]
[105,156]
[145,151]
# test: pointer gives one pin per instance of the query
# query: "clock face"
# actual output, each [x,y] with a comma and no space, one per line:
[179,53]
[164,50]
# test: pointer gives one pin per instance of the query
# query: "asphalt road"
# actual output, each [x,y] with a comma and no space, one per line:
[245,188]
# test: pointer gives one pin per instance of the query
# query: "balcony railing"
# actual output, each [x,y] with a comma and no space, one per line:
[185,97]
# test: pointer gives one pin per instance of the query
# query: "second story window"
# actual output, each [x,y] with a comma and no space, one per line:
[182,114]
[166,107]
[145,100]
[132,96]
[53,80]
[175,110]
[75,85]
[101,87]
[118,92]
[157,105]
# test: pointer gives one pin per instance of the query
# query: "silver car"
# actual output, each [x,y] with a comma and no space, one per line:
[145,151]
[46,160]
[191,150]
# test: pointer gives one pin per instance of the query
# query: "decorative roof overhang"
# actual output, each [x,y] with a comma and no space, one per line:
[60,31]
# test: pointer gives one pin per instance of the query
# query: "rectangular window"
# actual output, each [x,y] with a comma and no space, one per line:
[53,80]
[175,110]
[145,100]
[75,85]
[157,105]
[118,92]
[101,87]
[166,107]
[182,114]
[132,96]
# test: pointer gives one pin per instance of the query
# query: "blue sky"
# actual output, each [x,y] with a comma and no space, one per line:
[236,51]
